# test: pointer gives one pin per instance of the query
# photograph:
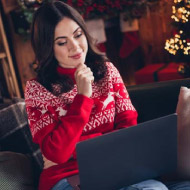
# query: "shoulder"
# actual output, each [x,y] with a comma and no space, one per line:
[34,90]
[31,85]
[109,65]
[111,69]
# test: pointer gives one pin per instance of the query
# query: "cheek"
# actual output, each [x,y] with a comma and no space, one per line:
[85,45]
[60,53]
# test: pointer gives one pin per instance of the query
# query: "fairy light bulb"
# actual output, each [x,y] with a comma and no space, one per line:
[178,43]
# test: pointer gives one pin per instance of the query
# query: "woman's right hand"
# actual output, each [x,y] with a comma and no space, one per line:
[84,78]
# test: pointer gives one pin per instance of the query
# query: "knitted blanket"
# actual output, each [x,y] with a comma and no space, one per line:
[15,134]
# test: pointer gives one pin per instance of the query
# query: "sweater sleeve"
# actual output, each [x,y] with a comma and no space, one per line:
[126,115]
[56,136]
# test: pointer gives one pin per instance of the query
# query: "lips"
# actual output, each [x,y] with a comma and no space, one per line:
[76,56]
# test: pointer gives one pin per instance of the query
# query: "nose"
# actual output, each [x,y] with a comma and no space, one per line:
[73,45]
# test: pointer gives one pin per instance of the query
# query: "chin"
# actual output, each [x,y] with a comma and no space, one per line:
[82,60]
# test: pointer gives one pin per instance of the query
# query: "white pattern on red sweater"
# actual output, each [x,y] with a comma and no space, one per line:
[58,123]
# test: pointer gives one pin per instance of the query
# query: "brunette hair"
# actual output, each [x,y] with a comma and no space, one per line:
[42,38]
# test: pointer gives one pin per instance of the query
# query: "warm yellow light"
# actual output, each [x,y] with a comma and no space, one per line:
[175,44]
[180,10]
[173,9]
[180,14]
[177,1]
[172,45]
[177,36]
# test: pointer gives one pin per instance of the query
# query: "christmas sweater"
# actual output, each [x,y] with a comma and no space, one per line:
[57,123]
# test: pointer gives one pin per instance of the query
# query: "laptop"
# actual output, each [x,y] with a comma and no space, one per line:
[128,156]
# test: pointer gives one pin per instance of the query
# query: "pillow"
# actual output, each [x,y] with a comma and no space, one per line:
[16,172]
[183,111]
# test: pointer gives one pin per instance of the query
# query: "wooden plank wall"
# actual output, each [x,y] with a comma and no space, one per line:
[154,28]
[22,49]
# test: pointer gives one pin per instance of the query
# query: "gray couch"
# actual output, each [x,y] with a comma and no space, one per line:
[21,161]
[20,158]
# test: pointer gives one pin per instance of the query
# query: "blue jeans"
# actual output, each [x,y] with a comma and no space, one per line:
[178,185]
[62,185]
[145,185]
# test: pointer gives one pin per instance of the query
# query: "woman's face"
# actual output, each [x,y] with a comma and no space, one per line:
[70,44]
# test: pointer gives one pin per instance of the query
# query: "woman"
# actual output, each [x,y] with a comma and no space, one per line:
[77,94]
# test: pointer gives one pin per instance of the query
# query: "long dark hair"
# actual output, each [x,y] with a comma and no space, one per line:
[42,38]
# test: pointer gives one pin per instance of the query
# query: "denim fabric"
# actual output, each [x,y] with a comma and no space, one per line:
[62,185]
[178,185]
[145,185]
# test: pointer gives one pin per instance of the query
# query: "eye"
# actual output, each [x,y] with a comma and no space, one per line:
[78,35]
[62,43]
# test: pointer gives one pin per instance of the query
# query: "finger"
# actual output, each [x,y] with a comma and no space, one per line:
[83,72]
[84,76]
[80,67]
[88,78]
[86,71]
[92,79]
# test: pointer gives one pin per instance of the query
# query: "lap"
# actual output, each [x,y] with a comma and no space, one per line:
[145,185]
[156,185]
[62,185]
[178,185]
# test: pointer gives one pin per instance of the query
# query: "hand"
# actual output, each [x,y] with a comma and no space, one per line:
[84,78]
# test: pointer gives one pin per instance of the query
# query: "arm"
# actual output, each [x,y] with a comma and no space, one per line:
[57,136]
[126,115]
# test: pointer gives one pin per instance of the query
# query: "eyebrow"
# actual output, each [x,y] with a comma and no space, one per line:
[60,37]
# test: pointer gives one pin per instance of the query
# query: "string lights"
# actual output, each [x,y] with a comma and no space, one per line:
[174,44]
[181,15]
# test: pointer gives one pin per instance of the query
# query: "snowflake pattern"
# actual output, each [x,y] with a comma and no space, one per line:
[109,95]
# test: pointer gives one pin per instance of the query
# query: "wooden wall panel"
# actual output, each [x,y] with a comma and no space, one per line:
[22,49]
[9,5]
[24,58]
[155,28]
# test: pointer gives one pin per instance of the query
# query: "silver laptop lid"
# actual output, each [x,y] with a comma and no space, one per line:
[128,156]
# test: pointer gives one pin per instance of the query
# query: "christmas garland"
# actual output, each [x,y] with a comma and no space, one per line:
[89,9]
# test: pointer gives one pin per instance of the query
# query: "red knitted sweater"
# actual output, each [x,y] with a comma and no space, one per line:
[57,123]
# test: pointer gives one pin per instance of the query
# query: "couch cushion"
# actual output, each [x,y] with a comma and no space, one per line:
[183,111]
[16,172]
[15,134]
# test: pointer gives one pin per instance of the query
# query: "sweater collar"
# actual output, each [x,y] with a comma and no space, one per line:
[66,71]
